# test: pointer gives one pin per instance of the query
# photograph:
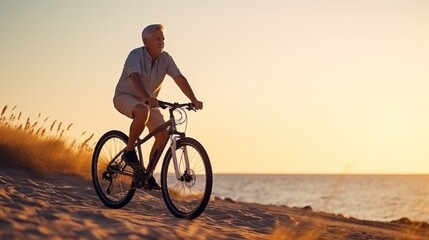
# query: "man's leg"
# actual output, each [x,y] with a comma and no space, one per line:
[141,116]
[161,139]
[159,144]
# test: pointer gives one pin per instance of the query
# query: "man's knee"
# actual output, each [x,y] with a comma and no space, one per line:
[140,112]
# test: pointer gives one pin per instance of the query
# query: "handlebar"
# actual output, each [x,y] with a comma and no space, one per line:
[173,106]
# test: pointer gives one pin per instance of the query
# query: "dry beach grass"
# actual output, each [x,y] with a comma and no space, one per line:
[45,150]
[46,193]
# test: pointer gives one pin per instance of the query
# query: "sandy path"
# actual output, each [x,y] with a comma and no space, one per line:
[66,207]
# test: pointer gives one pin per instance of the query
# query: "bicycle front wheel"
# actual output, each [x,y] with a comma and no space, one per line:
[109,174]
[187,193]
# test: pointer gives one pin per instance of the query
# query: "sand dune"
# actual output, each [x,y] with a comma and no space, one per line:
[66,207]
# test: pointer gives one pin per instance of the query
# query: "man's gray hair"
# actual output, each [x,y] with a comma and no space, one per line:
[149,30]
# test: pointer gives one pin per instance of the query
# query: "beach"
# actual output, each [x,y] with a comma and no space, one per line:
[34,206]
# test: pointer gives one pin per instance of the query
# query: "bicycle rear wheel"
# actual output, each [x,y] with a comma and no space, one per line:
[188,195]
[113,188]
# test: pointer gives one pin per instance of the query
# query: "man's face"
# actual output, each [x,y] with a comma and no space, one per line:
[155,43]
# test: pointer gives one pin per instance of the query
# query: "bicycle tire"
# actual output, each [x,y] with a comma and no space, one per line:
[121,189]
[187,198]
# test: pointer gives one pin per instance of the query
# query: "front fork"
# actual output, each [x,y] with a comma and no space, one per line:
[173,147]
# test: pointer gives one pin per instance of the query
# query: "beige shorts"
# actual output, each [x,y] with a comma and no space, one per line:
[125,103]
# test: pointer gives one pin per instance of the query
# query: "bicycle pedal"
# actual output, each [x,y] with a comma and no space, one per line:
[138,177]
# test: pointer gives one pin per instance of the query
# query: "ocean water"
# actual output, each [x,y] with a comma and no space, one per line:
[369,197]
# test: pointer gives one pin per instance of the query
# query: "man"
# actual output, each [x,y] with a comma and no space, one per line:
[137,91]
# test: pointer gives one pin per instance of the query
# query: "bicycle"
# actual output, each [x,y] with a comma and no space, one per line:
[186,173]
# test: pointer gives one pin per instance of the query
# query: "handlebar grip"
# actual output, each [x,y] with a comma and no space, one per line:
[165,105]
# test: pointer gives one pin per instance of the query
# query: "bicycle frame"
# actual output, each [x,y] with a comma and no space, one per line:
[174,135]
[149,136]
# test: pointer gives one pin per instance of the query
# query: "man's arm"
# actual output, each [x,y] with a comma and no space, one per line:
[183,84]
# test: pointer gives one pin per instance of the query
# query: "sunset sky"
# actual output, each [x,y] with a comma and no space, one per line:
[304,86]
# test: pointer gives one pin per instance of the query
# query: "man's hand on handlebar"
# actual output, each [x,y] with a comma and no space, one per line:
[197,104]
[152,102]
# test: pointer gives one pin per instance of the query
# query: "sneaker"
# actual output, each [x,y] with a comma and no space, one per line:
[130,158]
[152,185]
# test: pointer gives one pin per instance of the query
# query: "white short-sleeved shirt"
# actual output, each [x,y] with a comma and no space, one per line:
[140,61]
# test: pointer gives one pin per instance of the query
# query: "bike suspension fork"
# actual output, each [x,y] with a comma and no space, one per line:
[185,158]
